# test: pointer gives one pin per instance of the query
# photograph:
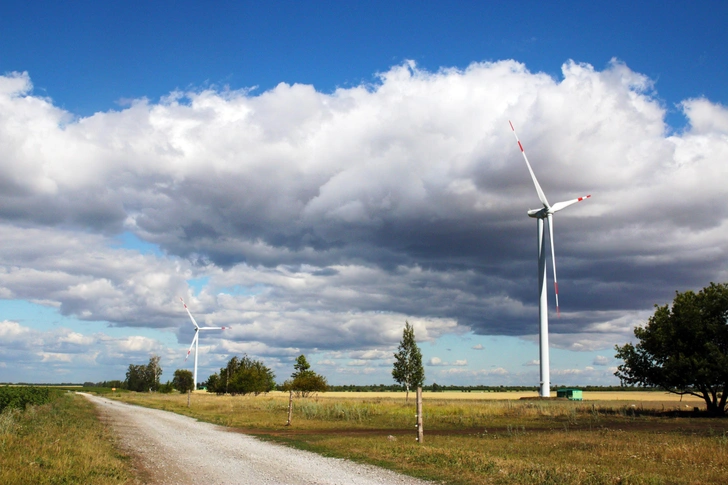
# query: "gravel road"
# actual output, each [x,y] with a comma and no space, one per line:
[172,449]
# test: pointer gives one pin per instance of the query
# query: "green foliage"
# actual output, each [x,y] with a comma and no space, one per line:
[135,378]
[110,384]
[684,348]
[22,396]
[301,366]
[242,376]
[166,388]
[408,370]
[304,381]
[183,380]
[142,378]
[214,383]
[306,384]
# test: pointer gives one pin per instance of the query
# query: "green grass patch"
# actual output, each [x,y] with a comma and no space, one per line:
[61,442]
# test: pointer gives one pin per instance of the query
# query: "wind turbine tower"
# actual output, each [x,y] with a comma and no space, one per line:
[545,212]
[195,341]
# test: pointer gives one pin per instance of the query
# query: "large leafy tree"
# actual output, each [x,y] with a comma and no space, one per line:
[154,372]
[683,348]
[242,376]
[142,378]
[408,370]
[183,380]
[304,381]
[134,380]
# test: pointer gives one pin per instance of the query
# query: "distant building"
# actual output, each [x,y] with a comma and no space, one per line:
[570,394]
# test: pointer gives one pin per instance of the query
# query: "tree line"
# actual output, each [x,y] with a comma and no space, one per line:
[682,349]
[434,387]
[242,375]
[144,377]
[245,375]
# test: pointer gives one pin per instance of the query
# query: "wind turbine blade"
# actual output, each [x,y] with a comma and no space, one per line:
[553,261]
[194,322]
[541,195]
[561,205]
[192,344]
[214,328]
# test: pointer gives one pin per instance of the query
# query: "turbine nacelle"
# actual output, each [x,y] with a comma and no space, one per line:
[545,211]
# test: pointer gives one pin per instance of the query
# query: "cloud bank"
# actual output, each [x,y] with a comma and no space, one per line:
[321,221]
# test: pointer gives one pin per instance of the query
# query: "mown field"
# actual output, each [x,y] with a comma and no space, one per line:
[53,437]
[615,438]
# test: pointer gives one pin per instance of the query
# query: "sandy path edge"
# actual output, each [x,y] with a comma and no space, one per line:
[169,448]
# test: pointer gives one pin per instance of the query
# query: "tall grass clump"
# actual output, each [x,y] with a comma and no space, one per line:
[337,411]
[60,442]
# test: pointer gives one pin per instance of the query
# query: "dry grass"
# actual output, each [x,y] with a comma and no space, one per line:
[470,441]
[643,397]
[60,442]
[519,456]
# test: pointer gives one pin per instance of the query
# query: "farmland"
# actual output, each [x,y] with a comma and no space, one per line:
[488,437]
[20,397]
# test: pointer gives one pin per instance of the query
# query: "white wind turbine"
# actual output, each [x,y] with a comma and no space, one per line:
[546,212]
[195,341]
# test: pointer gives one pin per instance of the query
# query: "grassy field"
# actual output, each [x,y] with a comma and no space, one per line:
[623,438]
[596,396]
[61,442]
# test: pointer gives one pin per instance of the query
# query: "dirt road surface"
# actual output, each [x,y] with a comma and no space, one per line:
[172,449]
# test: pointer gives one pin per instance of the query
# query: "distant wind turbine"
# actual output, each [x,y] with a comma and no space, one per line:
[546,212]
[195,341]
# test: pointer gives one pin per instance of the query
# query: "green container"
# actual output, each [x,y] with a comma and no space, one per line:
[570,394]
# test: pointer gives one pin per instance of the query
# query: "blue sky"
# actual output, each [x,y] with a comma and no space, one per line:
[315,173]
[91,55]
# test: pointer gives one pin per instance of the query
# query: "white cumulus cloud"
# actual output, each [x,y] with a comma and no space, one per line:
[323,221]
